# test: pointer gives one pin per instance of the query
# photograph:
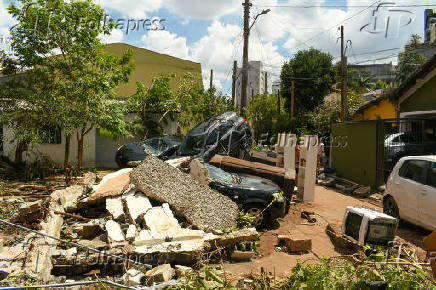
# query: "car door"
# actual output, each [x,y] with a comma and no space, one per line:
[408,184]
[427,199]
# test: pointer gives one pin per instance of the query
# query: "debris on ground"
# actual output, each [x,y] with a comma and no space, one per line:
[430,246]
[294,243]
[200,205]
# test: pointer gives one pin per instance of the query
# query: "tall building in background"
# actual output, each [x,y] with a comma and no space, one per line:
[383,71]
[429,25]
[276,86]
[257,84]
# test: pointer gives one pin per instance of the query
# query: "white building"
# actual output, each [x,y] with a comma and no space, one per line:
[276,86]
[259,81]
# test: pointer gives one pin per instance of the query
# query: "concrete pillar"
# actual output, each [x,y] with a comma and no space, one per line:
[307,168]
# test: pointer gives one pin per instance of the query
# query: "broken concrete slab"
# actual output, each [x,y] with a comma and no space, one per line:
[113,184]
[244,235]
[200,205]
[162,273]
[114,205]
[162,222]
[294,243]
[199,172]
[362,191]
[179,162]
[182,271]
[41,264]
[134,277]
[242,255]
[145,238]
[131,232]
[114,231]
[30,213]
[137,204]
[89,230]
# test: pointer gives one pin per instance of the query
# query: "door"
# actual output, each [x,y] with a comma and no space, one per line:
[427,199]
[408,184]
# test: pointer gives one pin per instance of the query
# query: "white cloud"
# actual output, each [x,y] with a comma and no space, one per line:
[203,9]
[163,41]
[115,37]
[132,8]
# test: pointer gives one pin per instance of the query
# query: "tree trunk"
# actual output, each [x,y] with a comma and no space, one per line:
[21,148]
[80,151]
[80,137]
[67,150]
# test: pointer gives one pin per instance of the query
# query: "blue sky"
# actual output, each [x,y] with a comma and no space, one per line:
[210,31]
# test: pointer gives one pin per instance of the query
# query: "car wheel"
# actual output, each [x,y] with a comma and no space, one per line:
[255,211]
[390,207]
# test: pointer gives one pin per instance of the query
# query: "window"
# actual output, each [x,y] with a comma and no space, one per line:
[414,170]
[51,135]
[431,175]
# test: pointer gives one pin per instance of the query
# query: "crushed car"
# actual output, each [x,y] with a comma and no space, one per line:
[226,134]
[130,155]
[253,193]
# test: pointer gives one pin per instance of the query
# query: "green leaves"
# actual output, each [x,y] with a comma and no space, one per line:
[409,60]
[313,75]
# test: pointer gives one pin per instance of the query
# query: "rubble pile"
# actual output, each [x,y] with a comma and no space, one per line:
[200,205]
[154,215]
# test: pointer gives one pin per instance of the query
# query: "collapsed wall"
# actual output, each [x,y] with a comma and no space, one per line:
[200,205]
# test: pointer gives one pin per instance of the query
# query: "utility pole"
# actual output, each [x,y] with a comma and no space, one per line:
[244,82]
[278,101]
[247,28]
[292,98]
[266,83]
[343,79]
[235,69]
[211,79]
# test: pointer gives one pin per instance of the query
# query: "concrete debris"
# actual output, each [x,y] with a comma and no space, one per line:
[114,232]
[114,205]
[162,273]
[134,277]
[179,162]
[89,178]
[137,204]
[244,235]
[113,184]
[242,255]
[335,234]
[161,222]
[200,205]
[70,197]
[30,214]
[131,232]
[362,191]
[199,172]
[329,181]
[294,244]
[89,230]
[181,271]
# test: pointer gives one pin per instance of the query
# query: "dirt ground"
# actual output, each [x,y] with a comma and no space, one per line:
[329,206]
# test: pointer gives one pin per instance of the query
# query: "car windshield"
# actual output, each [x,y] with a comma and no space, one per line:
[218,174]
[155,146]
[191,145]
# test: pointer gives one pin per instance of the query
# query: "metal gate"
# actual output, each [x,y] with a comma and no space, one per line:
[397,138]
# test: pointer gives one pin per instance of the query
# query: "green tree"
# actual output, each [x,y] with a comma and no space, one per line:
[409,59]
[261,112]
[198,104]
[382,85]
[313,74]
[147,102]
[330,111]
[68,79]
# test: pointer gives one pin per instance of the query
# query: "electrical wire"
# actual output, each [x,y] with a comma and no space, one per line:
[341,6]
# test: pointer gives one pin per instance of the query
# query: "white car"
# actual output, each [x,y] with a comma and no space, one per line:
[411,191]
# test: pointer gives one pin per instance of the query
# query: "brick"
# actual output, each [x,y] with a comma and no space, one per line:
[294,243]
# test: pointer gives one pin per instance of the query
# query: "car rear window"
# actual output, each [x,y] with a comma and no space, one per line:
[431,175]
[413,170]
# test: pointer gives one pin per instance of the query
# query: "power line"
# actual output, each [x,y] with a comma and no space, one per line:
[336,25]
[341,6]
